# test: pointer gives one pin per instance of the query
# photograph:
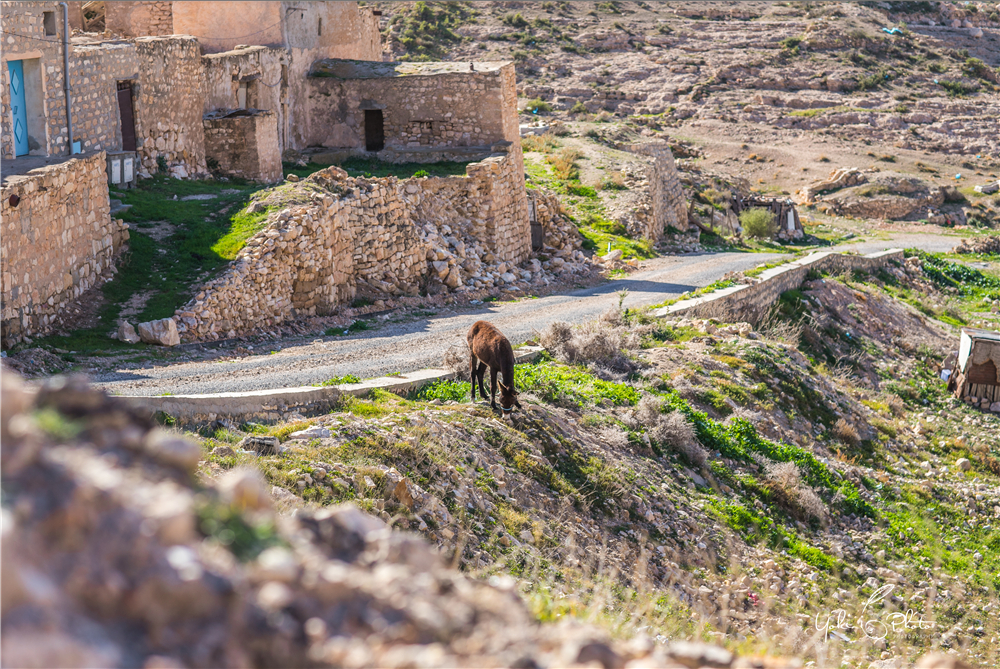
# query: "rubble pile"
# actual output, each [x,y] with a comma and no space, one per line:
[985,244]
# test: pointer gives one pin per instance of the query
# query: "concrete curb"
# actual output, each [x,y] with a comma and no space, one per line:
[775,281]
[272,404]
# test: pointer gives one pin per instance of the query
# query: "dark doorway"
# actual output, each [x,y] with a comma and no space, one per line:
[374,130]
[126,115]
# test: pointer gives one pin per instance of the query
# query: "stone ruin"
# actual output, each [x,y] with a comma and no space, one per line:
[332,238]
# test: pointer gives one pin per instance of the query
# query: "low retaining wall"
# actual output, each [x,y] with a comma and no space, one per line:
[752,302]
[271,405]
[55,242]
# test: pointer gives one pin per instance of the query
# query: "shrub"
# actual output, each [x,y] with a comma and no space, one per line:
[537,105]
[542,143]
[564,164]
[514,20]
[976,68]
[846,432]
[758,223]
[578,108]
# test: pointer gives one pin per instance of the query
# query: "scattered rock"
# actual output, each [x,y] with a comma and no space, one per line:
[127,333]
[162,332]
[311,432]
[261,444]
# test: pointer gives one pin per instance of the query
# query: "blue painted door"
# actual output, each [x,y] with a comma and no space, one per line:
[15,69]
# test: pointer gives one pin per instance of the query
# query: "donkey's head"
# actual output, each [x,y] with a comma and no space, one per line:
[508,397]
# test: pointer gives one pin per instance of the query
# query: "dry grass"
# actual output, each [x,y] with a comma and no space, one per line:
[671,430]
[785,481]
[846,433]
[564,164]
[601,345]
[541,143]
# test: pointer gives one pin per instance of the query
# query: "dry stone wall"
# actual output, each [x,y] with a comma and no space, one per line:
[260,71]
[139,19]
[244,146]
[24,38]
[311,257]
[369,237]
[94,75]
[665,189]
[168,105]
[56,241]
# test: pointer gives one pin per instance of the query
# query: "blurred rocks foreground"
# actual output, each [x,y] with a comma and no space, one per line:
[115,555]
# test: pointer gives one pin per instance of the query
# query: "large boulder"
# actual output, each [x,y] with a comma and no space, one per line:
[126,333]
[162,332]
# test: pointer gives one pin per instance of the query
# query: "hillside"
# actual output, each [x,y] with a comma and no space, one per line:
[696,479]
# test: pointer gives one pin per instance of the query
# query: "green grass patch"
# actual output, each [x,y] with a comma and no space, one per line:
[557,383]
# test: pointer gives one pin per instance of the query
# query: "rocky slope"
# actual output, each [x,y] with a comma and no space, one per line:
[693,478]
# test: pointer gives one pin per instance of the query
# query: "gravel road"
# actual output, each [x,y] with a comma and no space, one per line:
[416,344]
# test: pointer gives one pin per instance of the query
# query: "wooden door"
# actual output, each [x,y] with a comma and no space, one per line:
[126,115]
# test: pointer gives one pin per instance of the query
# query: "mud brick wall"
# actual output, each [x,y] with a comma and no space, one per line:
[244,146]
[139,19]
[94,75]
[169,103]
[24,38]
[665,189]
[55,243]
[752,302]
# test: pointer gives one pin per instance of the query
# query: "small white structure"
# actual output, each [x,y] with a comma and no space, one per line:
[976,378]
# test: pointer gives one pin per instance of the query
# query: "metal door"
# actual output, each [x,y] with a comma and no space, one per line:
[15,69]
[126,115]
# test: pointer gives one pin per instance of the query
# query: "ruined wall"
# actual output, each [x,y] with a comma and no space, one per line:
[139,19]
[425,106]
[94,75]
[558,231]
[310,258]
[244,146]
[263,72]
[665,189]
[169,103]
[25,39]
[371,237]
[55,243]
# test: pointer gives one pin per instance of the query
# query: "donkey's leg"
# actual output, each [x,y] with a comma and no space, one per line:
[493,388]
[482,376]
[472,374]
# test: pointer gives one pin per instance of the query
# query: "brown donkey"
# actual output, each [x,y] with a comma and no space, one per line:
[488,346]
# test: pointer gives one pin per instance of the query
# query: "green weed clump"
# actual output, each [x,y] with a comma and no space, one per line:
[758,223]
[560,384]
[456,391]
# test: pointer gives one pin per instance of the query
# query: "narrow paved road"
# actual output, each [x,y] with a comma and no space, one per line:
[407,346]
[412,345]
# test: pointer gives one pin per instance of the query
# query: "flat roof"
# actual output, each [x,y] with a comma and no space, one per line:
[982,335]
[369,69]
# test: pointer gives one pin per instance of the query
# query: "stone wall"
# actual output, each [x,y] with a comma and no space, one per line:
[665,190]
[94,75]
[558,231]
[310,258]
[752,302]
[25,38]
[261,71]
[369,237]
[244,144]
[425,107]
[169,103]
[55,243]
[139,19]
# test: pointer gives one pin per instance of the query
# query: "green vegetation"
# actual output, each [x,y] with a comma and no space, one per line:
[538,105]
[341,380]
[362,167]
[957,89]
[426,29]
[758,223]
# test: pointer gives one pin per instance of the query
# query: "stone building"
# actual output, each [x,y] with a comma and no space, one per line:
[976,377]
